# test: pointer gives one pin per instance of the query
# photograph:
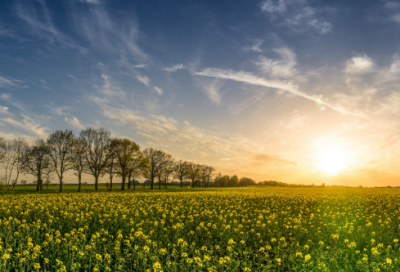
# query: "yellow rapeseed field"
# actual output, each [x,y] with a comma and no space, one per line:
[243,229]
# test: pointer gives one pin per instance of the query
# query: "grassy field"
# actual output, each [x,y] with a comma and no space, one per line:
[242,229]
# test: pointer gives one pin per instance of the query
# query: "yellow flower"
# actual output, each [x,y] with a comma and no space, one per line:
[36,266]
[307,257]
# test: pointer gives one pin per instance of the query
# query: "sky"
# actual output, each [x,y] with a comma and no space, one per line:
[299,91]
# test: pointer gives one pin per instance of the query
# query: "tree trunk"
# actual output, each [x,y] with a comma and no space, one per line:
[79,181]
[61,184]
[181,182]
[111,178]
[134,185]
[192,183]
[159,183]
[123,183]
[129,181]
[96,180]
[37,186]
[152,183]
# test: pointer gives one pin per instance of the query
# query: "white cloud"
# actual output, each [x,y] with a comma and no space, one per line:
[8,82]
[29,125]
[174,68]
[296,14]
[74,122]
[283,68]
[144,79]
[273,6]
[110,89]
[359,65]
[212,91]
[254,47]
[41,25]
[396,18]
[158,90]
[3,109]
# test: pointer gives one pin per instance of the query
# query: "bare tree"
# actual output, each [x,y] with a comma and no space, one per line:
[14,151]
[193,172]
[36,161]
[208,171]
[78,160]
[154,162]
[165,169]
[24,182]
[3,143]
[96,143]
[61,144]
[112,160]
[135,169]
[180,170]
[168,170]
[127,155]
[48,176]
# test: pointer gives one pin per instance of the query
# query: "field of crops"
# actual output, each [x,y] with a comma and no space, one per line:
[250,229]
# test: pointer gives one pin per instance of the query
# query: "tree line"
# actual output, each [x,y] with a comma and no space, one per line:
[96,153]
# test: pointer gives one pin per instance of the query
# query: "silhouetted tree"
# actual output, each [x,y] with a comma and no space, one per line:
[78,160]
[96,143]
[60,145]
[127,154]
[36,161]
[12,159]
[193,172]
[154,162]
[180,170]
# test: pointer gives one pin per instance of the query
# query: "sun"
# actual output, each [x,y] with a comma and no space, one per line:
[332,159]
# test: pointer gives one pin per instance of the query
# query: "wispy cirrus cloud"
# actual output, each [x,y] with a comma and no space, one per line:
[29,125]
[144,79]
[285,67]
[174,68]
[41,25]
[7,82]
[297,14]
[276,84]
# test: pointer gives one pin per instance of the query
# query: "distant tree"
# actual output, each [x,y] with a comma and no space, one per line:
[135,169]
[165,169]
[24,182]
[112,161]
[217,180]
[78,160]
[12,159]
[96,143]
[3,143]
[208,171]
[36,161]
[244,182]
[61,146]
[127,154]
[234,181]
[193,172]
[224,181]
[154,162]
[168,171]
[48,176]
[180,170]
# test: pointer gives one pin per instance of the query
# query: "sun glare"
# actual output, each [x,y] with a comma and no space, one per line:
[332,159]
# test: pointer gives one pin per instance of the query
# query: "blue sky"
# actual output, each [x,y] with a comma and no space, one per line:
[256,88]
